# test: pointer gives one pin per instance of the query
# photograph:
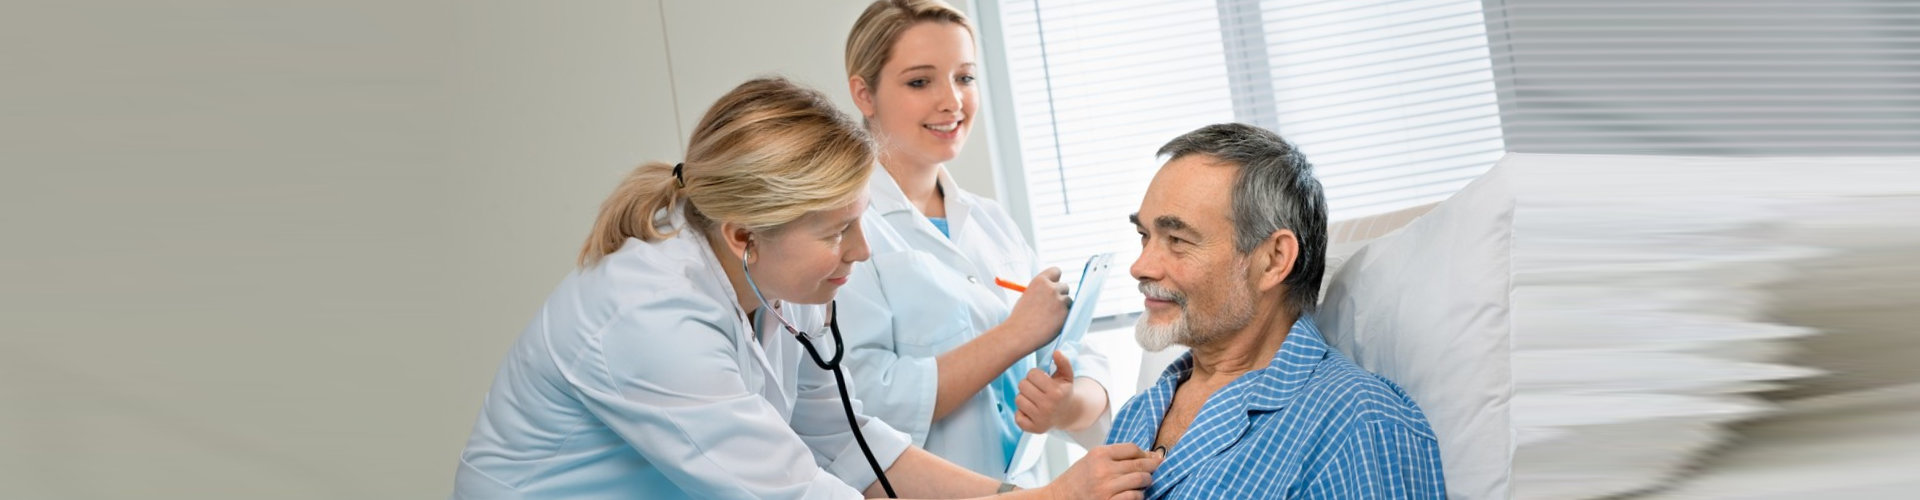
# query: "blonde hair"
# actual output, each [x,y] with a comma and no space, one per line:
[870,44]
[765,154]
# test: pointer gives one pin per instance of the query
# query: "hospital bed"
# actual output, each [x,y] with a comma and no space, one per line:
[1585,326]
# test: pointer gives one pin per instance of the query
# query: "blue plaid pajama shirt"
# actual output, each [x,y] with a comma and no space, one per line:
[1311,425]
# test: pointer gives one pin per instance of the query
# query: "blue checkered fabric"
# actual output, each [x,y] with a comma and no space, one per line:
[1311,425]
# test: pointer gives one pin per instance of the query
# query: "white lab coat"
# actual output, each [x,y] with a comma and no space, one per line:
[923,294]
[639,379]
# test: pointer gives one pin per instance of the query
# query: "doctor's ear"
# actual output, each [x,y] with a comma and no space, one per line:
[862,95]
[738,238]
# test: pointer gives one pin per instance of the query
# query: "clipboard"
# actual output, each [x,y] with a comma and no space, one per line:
[1086,296]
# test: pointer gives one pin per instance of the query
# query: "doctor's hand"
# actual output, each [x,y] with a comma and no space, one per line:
[1045,401]
[1107,472]
[1041,310]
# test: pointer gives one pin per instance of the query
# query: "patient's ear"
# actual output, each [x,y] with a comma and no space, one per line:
[1274,259]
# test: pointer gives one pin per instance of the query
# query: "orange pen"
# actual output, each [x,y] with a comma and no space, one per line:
[1009,284]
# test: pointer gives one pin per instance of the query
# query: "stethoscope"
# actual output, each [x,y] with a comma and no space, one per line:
[833,365]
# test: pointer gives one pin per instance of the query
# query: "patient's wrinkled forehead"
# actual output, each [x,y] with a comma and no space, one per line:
[1195,190]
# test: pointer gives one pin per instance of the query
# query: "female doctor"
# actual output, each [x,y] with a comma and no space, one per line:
[671,365]
[946,357]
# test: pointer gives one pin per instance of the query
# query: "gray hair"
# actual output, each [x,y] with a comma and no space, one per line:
[1275,190]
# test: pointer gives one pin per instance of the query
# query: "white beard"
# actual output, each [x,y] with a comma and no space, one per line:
[1155,338]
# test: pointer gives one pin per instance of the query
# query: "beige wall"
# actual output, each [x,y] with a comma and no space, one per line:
[271,251]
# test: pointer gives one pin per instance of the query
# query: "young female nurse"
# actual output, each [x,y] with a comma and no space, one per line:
[671,364]
[951,362]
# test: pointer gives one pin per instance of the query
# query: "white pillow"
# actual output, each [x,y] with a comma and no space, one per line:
[1429,308]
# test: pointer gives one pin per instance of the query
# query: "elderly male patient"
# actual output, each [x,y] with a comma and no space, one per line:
[1233,243]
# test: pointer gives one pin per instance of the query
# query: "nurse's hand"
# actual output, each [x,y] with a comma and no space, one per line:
[1041,310]
[1045,401]
[1107,472]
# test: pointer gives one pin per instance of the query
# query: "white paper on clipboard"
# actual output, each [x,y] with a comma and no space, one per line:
[1086,296]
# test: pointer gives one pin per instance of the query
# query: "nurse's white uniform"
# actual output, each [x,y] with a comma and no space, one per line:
[641,378]
[923,294]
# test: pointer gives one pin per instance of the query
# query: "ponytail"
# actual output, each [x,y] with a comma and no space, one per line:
[633,211]
[765,154]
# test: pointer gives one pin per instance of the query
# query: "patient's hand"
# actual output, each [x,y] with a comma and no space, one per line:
[1111,471]
[1046,401]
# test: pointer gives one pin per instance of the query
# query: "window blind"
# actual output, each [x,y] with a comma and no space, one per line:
[1709,77]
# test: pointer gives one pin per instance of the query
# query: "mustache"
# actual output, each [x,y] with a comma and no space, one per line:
[1156,292]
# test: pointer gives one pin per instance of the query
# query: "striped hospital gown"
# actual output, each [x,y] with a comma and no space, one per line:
[1310,425]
